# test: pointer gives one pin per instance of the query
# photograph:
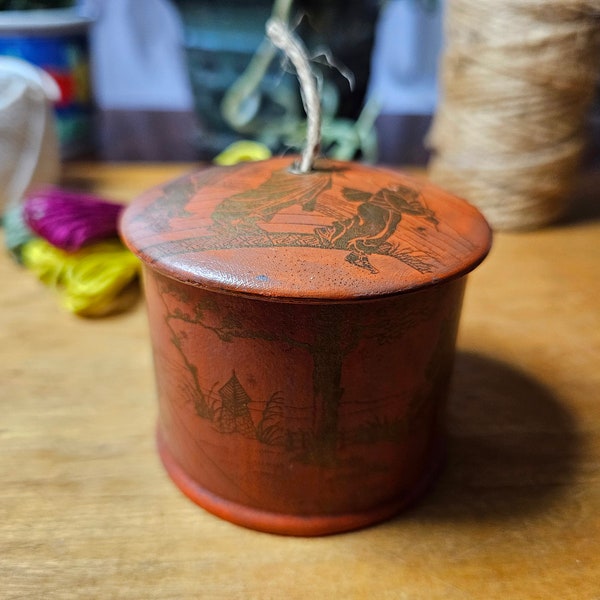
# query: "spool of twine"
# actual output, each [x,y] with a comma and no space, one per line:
[517,80]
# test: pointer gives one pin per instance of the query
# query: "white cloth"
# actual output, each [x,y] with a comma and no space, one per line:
[29,150]
[137,56]
[405,58]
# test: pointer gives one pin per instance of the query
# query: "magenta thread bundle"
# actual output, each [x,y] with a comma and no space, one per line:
[70,220]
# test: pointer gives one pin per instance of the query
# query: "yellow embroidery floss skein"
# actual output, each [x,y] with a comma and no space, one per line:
[242,151]
[94,281]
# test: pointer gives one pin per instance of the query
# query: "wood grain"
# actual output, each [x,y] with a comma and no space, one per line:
[86,510]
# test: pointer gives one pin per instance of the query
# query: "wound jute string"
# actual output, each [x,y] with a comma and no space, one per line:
[517,80]
[296,52]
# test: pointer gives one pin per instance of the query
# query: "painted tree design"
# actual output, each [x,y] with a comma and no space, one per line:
[336,335]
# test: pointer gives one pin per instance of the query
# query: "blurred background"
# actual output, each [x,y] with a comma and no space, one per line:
[151,76]
[156,79]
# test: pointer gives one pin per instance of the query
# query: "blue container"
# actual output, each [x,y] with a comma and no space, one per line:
[56,41]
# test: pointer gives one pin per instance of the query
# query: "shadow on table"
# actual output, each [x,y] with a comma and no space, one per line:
[512,446]
[584,205]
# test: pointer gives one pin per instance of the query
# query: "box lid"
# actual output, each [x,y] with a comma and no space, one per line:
[342,232]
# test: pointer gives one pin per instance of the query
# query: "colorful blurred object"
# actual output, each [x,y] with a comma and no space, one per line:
[93,282]
[57,41]
[70,220]
[242,151]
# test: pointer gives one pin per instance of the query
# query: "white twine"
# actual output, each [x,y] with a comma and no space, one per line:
[295,50]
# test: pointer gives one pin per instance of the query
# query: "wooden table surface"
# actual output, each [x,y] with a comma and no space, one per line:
[86,510]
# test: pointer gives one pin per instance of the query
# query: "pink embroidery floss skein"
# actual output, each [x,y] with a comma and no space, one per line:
[70,220]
